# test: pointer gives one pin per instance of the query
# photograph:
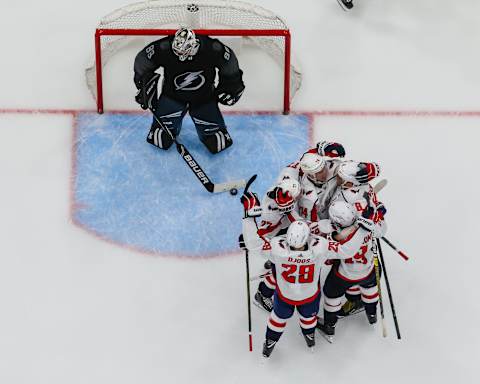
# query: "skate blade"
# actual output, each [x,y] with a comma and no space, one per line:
[325,336]
[352,313]
[259,305]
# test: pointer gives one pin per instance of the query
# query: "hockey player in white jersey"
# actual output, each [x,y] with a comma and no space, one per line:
[316,171]
[278,210]
[297,258]
[351,242]
[353,187]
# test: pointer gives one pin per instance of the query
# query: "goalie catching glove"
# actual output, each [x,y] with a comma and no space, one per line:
[251,204]
[147,91]
[230,89]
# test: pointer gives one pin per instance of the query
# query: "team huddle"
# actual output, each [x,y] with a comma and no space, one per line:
[321,217]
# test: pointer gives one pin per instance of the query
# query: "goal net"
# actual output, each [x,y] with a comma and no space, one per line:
[220,18]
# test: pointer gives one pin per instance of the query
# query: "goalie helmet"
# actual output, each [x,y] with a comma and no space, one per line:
[297,234]
[185,44]
[342,214]
[314,166]
[357,173]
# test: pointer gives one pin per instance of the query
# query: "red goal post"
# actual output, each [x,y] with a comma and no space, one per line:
[206,17]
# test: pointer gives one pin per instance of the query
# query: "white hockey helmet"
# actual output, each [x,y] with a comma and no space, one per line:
[342,214]
[314,166]
[347,171]
[185,44]
[291,186]
[297,234]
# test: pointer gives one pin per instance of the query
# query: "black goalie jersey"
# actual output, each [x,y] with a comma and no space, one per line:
[191,80]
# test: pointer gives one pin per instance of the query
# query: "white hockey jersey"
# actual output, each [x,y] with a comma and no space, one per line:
[360,197]
[315,201]
[297,272]
[275,218]
[355,252]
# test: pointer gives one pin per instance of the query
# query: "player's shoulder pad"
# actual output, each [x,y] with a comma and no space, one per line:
[164,44]
[217,45]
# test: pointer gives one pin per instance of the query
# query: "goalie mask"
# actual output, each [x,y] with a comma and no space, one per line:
[314,166]
[297,234]
[185,45]
[342,215]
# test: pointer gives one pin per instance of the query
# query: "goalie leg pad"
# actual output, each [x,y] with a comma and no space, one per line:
[217,141]
[159,138]
[210,126]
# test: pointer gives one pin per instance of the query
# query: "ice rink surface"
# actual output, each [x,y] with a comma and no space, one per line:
[395,81]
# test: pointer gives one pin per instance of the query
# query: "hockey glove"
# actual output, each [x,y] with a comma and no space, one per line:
[147,91]
[251,204]
[370,225]
[228,98]
[230,88]
[381,210]
[325,148]
[367,172]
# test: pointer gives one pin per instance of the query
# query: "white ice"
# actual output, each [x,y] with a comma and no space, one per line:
[76,309]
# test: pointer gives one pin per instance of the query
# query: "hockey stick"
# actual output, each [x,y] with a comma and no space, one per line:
[389,291]
[247,266]
[196,169]
[380,299]
[377,188]
[405,257]
[380,185]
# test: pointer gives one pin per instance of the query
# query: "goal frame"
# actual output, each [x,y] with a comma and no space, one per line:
[284,33]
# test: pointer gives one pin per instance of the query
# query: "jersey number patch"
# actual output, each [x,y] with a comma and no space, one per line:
[359,256]
[305,273]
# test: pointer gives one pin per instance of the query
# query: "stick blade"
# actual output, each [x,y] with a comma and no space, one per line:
[380,185]
[227,186]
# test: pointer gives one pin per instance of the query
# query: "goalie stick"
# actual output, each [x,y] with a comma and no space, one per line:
[197,170]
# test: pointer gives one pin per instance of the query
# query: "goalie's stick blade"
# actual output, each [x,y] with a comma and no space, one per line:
[380,185]
[224,187]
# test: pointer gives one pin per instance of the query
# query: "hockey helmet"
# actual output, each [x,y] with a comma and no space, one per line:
[314,166]
[297,234]
[342,214]
[185,44]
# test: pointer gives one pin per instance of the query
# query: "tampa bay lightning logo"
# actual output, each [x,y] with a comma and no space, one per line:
[189,81]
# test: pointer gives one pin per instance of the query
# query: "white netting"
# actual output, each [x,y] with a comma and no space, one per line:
[202,14]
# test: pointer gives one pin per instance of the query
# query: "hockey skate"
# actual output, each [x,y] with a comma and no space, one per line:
[326,330]
[263,302]
[310,339]
[372,319]
[268,347]
[346,4]
[351,308]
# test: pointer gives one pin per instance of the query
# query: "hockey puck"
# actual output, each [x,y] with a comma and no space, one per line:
[233,191]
